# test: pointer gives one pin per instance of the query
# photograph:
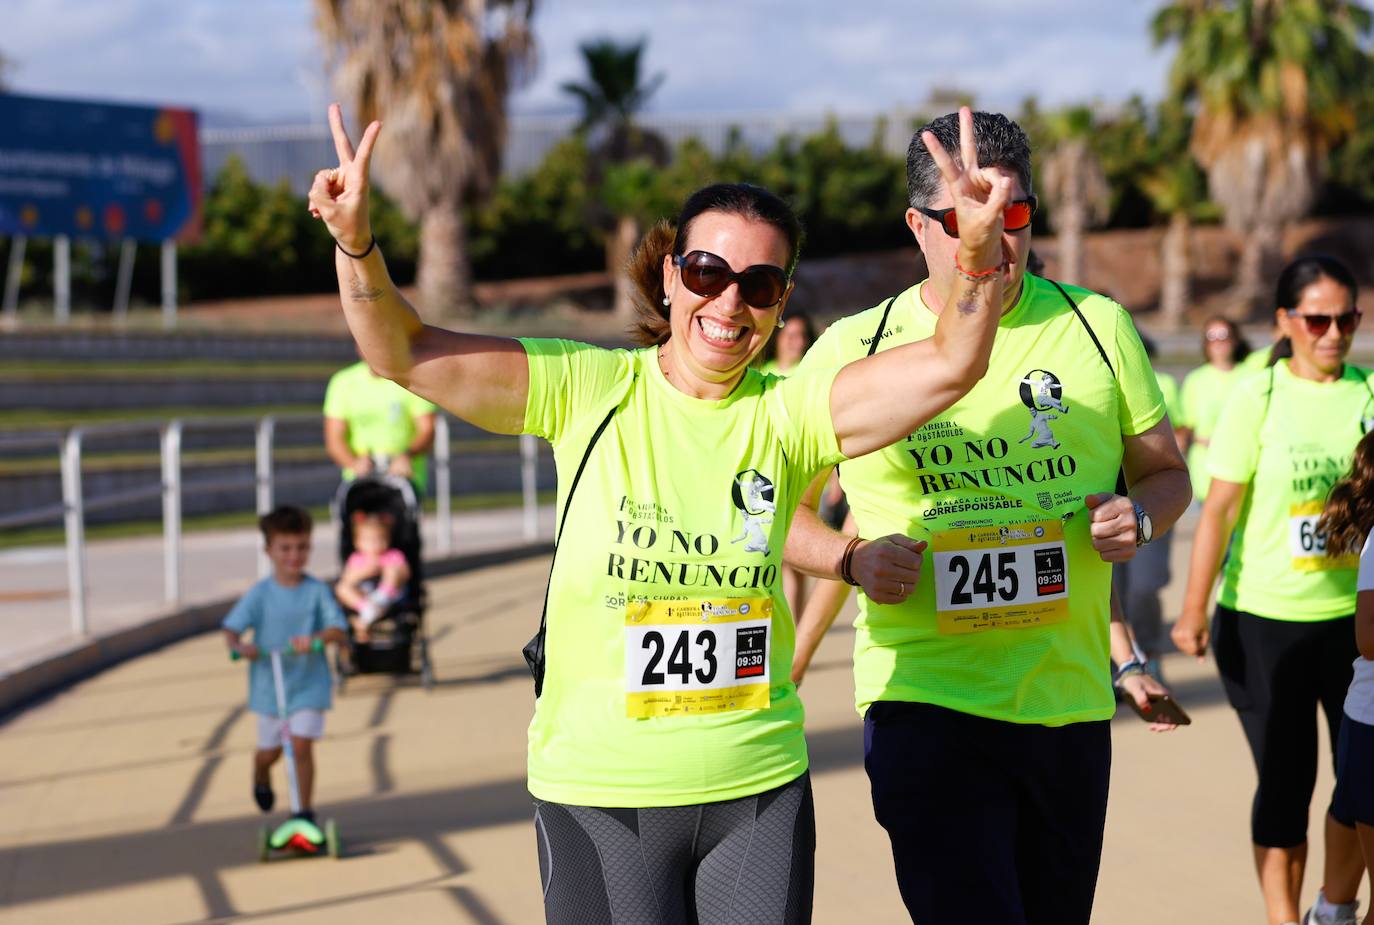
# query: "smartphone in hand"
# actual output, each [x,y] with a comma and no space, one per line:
[1163,709]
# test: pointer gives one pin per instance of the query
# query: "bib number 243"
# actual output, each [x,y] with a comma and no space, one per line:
[690,657]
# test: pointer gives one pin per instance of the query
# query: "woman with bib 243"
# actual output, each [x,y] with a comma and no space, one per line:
[666,755]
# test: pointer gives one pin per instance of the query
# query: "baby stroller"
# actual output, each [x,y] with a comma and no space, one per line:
[396,642]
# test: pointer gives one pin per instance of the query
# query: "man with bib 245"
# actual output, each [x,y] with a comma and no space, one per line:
[985,685]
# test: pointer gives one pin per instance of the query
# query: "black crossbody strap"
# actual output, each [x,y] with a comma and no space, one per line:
[1121,487]
[534,649]
[1089,328]
[882,325]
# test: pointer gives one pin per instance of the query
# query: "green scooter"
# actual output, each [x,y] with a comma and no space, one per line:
[295,836]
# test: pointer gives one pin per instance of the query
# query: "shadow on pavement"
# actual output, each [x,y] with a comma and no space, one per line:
[197,850]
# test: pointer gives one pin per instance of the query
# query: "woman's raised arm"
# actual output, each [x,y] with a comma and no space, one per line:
[484,380]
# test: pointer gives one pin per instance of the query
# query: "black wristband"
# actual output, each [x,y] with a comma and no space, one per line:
[371,244]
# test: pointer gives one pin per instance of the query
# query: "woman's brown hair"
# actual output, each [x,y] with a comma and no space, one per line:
[1349,514]
[645,266]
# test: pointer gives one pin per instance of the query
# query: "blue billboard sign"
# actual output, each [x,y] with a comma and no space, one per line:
[100,170]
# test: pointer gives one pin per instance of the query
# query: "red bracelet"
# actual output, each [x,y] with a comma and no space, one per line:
[970,275]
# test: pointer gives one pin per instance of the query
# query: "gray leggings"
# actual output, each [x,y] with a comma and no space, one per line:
[749,861]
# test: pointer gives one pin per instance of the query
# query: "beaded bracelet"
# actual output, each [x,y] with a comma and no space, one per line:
[975,277]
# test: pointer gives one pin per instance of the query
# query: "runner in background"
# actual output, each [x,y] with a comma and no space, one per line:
[1283,631]
[1204,393]
[366,416]
[1139,582]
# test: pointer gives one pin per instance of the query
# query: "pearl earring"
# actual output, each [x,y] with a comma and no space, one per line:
[666,303]
[782,322]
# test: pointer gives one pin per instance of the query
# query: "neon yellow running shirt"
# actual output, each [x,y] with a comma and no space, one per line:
[380,415]
[668,679]
[1011,620]
[1307,431]
[1204,395]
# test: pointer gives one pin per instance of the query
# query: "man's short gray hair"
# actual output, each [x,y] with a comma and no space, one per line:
[1001,143]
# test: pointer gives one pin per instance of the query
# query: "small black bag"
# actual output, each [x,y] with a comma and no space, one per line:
[534,649]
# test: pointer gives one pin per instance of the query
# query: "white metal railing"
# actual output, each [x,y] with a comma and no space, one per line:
[172,490]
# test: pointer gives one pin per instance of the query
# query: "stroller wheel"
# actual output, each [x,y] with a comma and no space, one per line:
[426,667]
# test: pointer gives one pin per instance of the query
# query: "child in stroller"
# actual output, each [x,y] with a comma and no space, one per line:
[381,587]
[374,576]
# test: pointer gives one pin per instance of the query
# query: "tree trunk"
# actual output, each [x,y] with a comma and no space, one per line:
[619,245]
[1258,257]
[1070,228]
[443,275]
[1176,285]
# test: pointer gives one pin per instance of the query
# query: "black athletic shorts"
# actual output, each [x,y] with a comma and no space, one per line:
[749,861]
[1276,673]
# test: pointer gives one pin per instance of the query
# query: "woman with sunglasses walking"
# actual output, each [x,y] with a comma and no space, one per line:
[1204,394]
[666,755]
[1282,631]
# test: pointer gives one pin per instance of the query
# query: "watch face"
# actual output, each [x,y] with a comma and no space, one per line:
[1147,527]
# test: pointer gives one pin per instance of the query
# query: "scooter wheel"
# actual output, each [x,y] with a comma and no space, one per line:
[331,839]
[264,844]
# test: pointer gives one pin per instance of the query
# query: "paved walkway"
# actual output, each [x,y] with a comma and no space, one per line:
[125,798]
[125,577]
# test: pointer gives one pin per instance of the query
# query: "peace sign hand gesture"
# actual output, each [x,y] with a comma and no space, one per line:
[339,196]
[980,196]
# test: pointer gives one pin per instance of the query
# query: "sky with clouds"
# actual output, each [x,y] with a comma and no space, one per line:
[259,60]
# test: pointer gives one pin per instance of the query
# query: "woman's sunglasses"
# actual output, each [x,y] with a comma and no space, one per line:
[1317,325]
[1016,216]
[761,286]
[1220,334]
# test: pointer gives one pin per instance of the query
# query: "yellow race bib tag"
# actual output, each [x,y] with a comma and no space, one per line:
[1000,577]
[685,658]
[1307,544]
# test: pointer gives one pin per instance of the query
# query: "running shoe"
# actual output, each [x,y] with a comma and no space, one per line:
[1346,914]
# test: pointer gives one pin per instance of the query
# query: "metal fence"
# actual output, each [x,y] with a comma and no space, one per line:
[265,483]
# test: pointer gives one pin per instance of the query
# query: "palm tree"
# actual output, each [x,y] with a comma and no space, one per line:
[1176,190]
[438,71]
[1271,82]
[611,97]
[1075,187]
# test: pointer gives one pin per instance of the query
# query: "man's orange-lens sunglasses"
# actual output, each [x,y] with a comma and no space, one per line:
[1015,217]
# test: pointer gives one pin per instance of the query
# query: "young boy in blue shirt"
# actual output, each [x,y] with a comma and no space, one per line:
[291,610]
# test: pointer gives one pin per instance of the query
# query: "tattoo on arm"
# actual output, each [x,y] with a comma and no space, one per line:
[359,292]
[968,305]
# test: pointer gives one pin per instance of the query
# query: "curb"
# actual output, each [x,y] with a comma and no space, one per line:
[83,658]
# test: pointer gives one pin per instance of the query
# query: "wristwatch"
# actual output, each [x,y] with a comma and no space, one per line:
[1144,526]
